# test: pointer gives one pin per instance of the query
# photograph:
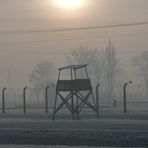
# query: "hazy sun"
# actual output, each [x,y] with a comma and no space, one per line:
[69,3]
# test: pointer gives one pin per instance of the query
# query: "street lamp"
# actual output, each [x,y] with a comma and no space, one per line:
[46,97]
[124,96]
[97,100]
[3,100]
[24,99]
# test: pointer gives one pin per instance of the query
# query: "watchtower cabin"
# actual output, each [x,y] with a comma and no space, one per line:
[75,92]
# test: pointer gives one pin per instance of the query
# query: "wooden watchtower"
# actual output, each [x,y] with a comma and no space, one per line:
[74,93]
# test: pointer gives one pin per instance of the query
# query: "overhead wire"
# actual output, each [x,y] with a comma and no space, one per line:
[84,28]
[73,39]
[69,29]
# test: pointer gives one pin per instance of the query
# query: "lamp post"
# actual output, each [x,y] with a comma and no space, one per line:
[46,97]
[3,100]
[24,99]
[124,96]
[97,100]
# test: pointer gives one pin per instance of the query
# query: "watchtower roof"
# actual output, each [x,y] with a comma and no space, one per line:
[74,67]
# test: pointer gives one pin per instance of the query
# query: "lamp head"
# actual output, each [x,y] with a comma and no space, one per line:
[130,82]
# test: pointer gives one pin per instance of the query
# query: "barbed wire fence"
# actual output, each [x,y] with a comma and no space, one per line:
[137,100]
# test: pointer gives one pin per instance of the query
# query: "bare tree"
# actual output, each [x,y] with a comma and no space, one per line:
[142,63]
[101,66]
[42,75]
[111,69]
[85,55]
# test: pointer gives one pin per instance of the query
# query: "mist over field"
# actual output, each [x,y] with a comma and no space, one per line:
[73,73]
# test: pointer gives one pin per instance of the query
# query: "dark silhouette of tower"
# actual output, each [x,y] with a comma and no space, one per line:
[74,93]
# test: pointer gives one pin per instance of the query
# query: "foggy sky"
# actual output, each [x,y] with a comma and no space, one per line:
[41,14]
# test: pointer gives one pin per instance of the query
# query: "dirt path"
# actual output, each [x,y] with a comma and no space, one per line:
[94,124]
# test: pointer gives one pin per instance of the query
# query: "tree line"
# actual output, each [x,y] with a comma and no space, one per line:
[103,67]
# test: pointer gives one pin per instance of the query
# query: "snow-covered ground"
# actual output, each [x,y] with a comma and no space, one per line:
[113,129]
[38,146]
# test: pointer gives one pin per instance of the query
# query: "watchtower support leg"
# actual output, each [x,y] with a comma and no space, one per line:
[77,107]
[64,102]
[53,116]
[72,105]
[85,101]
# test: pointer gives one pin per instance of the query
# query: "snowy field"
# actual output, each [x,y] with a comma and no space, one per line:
[114,128]
[37,146]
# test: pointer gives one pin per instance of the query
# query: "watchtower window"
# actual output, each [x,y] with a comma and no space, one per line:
[74,85]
